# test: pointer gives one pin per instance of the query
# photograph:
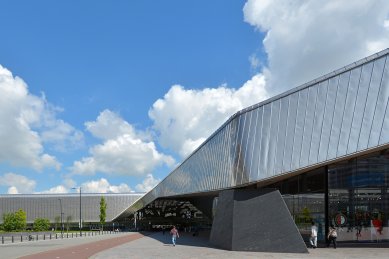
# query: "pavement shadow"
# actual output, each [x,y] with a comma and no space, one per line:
[186,238]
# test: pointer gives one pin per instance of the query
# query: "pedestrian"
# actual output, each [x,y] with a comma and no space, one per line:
[332,235]
[313,238]
[175,235]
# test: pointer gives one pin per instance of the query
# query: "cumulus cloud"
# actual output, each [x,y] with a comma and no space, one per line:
[12,190]
[27,122]
[56,189]
[306,38]
[103,186]
[61,135]
[184,118]
[123,151]
[148,183]
[254,62]
[17,183]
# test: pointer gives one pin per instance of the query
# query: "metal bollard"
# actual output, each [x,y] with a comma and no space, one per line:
[56,236]
[12,239]
[2,239]
[44,236]
[50,236]
[72,235]
[36,237]
[21,238]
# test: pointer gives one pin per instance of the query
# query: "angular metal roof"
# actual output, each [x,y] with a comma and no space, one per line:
[333,117]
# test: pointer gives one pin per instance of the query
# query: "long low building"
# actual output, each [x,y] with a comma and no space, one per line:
[324,145]
[50,206]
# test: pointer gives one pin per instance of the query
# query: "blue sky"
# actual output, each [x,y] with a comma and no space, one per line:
[117,93]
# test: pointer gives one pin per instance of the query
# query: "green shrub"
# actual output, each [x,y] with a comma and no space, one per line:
[41,224]
[15,221]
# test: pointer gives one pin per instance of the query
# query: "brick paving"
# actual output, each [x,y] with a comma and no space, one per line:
[84,250]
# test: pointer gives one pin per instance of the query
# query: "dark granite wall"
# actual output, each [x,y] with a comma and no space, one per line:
[251,220]
[221,233]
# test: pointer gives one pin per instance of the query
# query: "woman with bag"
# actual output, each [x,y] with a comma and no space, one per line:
[332,235]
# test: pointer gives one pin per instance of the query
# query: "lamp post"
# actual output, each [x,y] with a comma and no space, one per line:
[75,188]
[60,204]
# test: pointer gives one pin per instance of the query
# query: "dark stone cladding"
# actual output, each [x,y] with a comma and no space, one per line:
[253,220]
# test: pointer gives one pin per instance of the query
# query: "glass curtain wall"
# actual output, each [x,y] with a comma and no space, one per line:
[304,195]
[358,198]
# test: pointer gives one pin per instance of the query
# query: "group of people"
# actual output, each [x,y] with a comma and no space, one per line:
[331,237]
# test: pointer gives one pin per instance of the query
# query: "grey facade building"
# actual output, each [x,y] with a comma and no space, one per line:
[323,145]
[49,206]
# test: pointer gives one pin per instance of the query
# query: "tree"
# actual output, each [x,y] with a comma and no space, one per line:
[41,224]
[103,211]
[15,221]
[9,222]
[68,220]
[21,219]
[306,215]
[57,221]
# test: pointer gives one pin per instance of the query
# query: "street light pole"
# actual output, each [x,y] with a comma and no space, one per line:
[60,203]
[75,188]
[80,215]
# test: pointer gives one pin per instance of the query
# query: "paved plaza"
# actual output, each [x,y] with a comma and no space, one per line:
[157,245]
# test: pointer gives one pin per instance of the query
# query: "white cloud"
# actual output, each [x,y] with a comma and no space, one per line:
[123,151]
[254,62]
[12,190]
[306,38]
[69,183]
[386,24]
[56,189]
[17,183]
[98,186]
[27,122]
[185,118]
[103,186]
[109,125]
[62,135]
[148,183]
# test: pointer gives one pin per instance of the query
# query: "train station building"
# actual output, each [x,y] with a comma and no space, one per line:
[323,145]
[318,152]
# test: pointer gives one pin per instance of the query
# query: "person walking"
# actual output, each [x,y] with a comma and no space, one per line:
[313,238]
[332,235]
[175,235]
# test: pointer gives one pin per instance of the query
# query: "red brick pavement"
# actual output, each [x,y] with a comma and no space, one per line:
[85,250]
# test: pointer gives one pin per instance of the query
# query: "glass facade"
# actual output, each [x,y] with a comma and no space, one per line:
[358,197]
[356,194]
[304,195]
